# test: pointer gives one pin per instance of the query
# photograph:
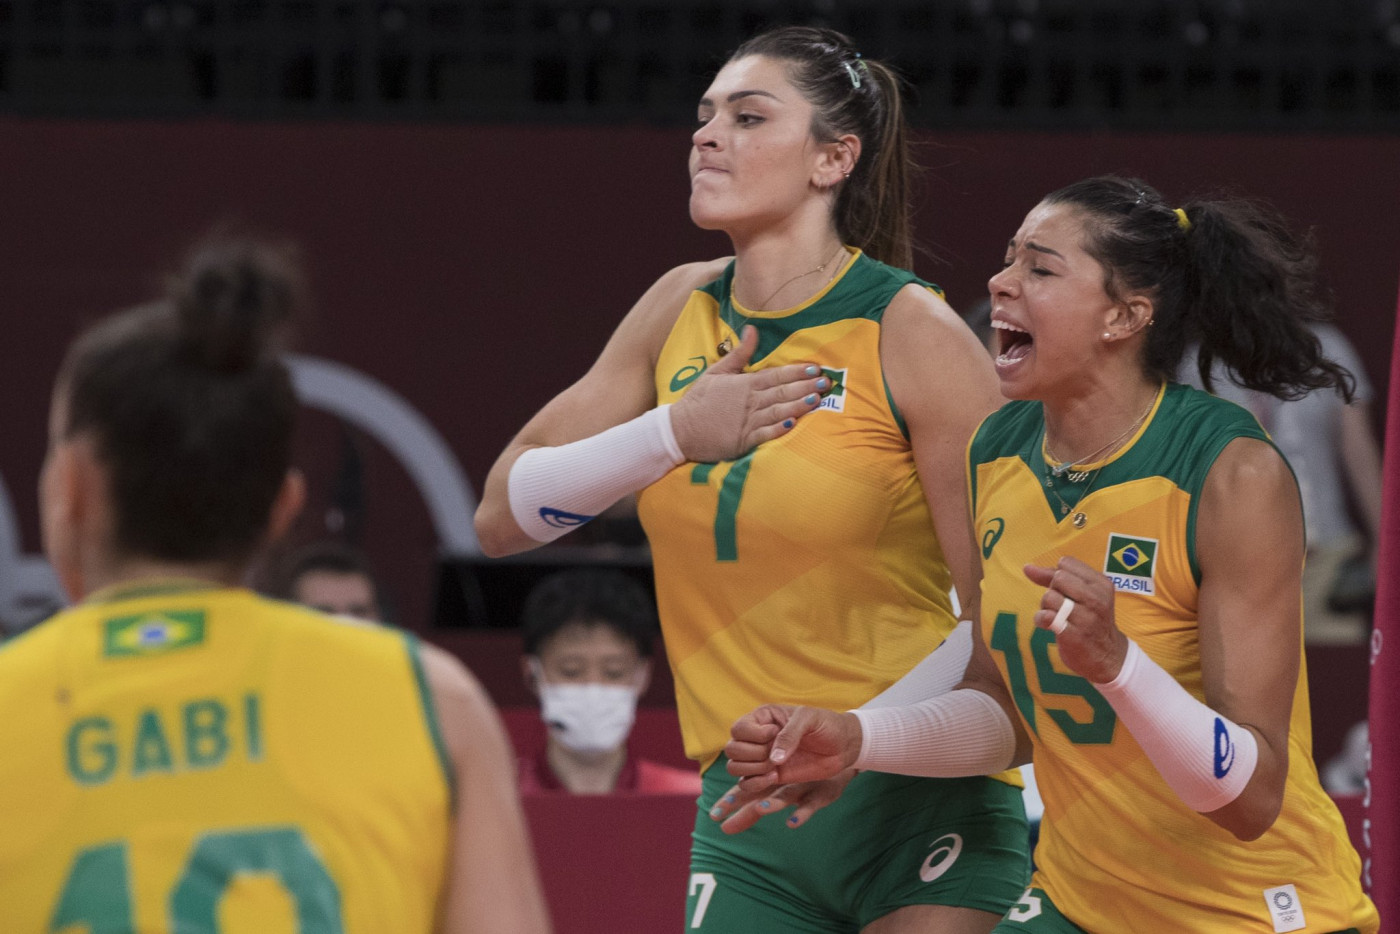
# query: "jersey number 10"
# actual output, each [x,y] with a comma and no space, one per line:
[98,891]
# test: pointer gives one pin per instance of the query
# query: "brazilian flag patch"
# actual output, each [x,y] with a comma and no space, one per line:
[834,399]
[152,633]
[1130,563]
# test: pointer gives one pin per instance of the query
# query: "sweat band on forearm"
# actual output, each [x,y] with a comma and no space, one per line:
[954,735]
[1203,757]
[556,489]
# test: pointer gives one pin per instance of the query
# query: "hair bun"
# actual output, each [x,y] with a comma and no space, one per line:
[234,302]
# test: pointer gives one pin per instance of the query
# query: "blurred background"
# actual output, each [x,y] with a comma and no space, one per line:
[480,190]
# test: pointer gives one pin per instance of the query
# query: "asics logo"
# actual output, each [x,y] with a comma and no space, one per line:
[946,850]
[993,535]
[1224,749]
[688,373]
[560,519]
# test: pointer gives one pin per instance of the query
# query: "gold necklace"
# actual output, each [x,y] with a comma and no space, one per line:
[764,305]
[1062,470]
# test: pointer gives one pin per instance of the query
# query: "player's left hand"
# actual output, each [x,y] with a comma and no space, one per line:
[1078,607]
[739,809]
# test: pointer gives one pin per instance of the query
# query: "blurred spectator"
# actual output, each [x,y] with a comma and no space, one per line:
[588,645]
[1333,450]
[333,577]
[1345,773]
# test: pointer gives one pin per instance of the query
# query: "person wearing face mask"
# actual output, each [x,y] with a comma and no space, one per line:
[588,642]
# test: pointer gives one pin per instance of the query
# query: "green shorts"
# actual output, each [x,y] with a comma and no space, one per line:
[890,841]
[1036,914]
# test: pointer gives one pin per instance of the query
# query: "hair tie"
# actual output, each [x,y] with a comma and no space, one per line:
[1182,220]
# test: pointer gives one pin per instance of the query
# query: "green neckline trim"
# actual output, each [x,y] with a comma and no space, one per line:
[872,281]
[425,696]
[1056,488]
[853,254]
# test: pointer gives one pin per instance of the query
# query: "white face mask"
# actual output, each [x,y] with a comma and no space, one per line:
[588,718]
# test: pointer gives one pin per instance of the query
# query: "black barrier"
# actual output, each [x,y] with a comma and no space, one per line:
[972,64]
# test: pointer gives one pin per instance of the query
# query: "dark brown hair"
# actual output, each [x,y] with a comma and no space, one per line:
[852,94]
[1226,273]
[191,406]
[591,596]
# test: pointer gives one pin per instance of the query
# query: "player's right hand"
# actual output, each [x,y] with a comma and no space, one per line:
[782,744]
[728,412]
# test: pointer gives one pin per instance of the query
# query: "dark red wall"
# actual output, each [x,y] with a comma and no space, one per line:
[478,270]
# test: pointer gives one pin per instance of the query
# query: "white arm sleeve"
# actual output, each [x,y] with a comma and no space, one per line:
[937,674]
[1203,757]
[956,734]
[553,490]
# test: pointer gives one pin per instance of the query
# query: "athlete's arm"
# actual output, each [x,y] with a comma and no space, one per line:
[943,382]
[617,388]
[604,436]
[492,884]
[1250,545]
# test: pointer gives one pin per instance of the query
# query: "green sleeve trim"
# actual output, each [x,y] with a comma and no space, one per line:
[425,695]
[894,409]
[1193,510]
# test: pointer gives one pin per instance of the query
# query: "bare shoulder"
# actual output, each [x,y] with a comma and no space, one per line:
[930,354]
[464,709]
[915,308]
[1250,465]
[652,317]
[692,276]
[675,286]
[1249,495]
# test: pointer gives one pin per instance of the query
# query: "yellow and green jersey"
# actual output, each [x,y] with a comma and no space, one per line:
[192,758]
[1118,851]
[807,571]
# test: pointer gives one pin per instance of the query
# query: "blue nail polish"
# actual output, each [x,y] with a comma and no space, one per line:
[810,398]
[788,423]
[764,805]
[823,383]
[715,811]
[812,371]
[792,821]
[728,799]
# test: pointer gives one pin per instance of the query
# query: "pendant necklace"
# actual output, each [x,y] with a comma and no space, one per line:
[802,275]
[1066,469]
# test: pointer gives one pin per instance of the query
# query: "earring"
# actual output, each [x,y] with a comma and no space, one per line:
[1107,336]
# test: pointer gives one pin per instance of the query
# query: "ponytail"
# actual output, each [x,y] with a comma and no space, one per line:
[1227,274]
[1249,297]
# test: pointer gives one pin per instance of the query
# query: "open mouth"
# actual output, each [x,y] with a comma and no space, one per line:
[1013,343]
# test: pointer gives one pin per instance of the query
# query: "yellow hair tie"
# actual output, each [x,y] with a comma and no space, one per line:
[1182,220]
